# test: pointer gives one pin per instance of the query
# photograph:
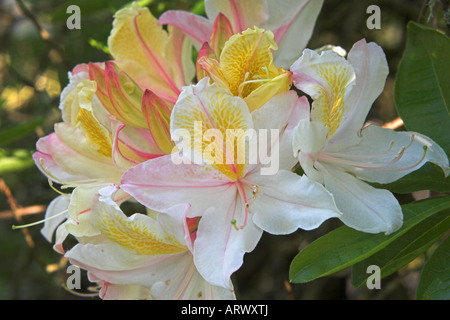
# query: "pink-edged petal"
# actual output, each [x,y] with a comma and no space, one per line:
[189,285]
[116,264]
[148,63]
[363,207]
[287,201]
[242,14]
[294,30]
[76,155]
[219,248]
[197,27]
[160,183]
[46,163]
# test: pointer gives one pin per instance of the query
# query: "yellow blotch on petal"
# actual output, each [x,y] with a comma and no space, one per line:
[218,125]
[94,132]
[84,118]
[329,106]
[135,234]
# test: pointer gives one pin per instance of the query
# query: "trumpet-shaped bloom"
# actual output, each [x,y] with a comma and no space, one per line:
[244,66]
[141,257]
[335,149]
[232,198]
[88,150]
[292,22]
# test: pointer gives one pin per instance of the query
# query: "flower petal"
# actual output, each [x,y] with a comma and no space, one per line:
[195,26]
[310,137]
[292,22]
[119,265]
[204,111]
[55,208]
[160,183]
[371,69]
[219,248]
[135,27]
[384,155]
[363,207]
[328,79]
[280,114]
[287,202]
[242,14]
[44,160]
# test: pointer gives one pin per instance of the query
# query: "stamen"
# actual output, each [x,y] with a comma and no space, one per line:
[40,221]
[343,158]
[243,196]
[267,71]
[50,182]
[255,79]
[233,222]
[425,149]
[376,166]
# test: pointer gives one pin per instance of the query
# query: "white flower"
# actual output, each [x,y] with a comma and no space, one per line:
[335,149]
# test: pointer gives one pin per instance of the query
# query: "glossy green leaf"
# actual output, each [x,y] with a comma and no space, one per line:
[434,283]
[345,246]
[404,249]
[422,97]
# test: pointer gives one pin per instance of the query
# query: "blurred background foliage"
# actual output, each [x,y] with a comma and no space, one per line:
[36,52]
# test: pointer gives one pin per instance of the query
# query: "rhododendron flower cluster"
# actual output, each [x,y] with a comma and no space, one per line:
[208,146]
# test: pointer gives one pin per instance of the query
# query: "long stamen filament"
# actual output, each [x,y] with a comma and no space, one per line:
[40,221]
[50,182]
[255,79]
[243,196]
[425,149]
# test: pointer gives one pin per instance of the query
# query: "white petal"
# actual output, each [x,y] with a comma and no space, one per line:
[116,264]
[189,285]
[287,202]
[282,113]
[364,208]
[388,155]
[371,69]
[309,137]
[55,208]
[219,248]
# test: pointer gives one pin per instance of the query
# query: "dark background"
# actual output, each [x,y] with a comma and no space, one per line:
[33,70]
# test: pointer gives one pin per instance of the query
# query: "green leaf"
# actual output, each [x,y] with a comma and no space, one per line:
[421,93]
[434,283]
[345,246]
[404,249]
[429,177]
